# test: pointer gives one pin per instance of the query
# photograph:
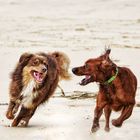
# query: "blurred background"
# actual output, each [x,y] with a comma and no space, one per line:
[76,24]
[80,28]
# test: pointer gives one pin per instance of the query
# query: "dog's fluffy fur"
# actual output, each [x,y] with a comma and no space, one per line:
[115,93]
[63,61]
[33,82]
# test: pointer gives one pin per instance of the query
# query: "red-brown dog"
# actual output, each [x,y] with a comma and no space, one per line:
[117,88]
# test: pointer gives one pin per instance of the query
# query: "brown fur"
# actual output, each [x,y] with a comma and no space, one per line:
[33,82]
[64,63]
[117,95]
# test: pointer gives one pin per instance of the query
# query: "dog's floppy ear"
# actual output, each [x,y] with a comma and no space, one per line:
[25,57]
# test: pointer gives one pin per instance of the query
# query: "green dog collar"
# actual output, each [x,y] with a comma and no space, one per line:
[112,78]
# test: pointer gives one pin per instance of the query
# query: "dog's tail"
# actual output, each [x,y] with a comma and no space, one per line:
[63,63]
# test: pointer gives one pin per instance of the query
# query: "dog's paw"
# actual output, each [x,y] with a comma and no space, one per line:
[23,123]
[94,128]
[10,115]
[116,123]
[107,129]
[14,123]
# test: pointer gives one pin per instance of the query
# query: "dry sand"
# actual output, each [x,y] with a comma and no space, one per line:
[79,28]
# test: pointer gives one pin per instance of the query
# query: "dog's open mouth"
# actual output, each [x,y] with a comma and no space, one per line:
[86,80]
[39,77]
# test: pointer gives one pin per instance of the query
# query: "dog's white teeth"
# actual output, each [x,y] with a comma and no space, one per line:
[35,75]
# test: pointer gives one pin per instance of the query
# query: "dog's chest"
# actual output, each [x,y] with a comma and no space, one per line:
[29,94]
[109,92]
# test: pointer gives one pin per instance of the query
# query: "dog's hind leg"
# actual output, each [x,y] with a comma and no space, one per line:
[126,113]
[107,111]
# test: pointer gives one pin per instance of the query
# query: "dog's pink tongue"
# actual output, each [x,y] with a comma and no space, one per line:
[87,77]
[37,76]
[84,81]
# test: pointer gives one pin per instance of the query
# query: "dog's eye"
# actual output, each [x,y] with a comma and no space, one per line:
[44,63]
[98,67]
[86,66]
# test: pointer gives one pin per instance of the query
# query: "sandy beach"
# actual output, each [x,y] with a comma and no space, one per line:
[81,29]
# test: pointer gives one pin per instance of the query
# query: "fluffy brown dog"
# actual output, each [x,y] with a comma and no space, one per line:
[34,80]
[117,88]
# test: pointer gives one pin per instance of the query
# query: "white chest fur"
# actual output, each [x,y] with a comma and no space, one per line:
[28,94]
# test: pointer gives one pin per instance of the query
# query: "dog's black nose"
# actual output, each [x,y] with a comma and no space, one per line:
[74,70]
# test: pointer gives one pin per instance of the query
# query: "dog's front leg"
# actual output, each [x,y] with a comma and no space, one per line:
[23,117]
[19,117]
[107,111]
[9,113]
[100,104]
[97,114]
